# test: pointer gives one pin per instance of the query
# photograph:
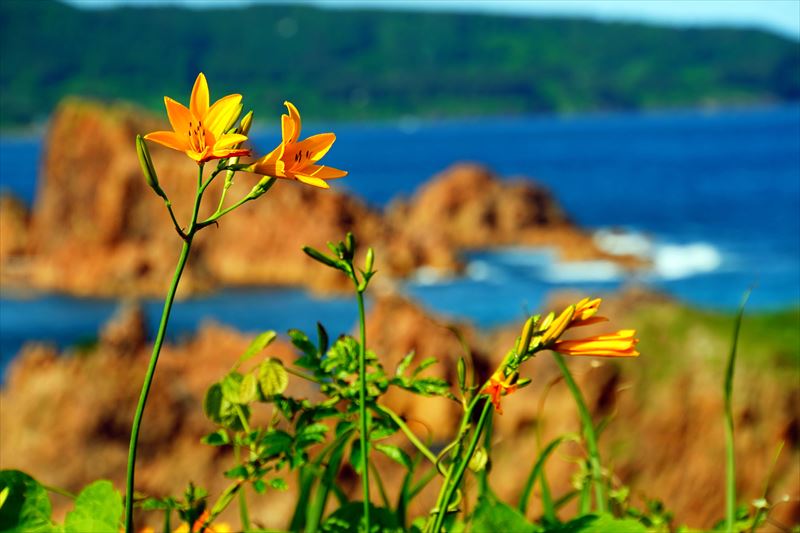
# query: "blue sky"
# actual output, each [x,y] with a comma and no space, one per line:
[780,16]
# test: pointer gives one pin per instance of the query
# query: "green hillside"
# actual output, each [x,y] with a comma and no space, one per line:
[356,64]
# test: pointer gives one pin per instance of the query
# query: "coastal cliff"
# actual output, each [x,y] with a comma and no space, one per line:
[97,229]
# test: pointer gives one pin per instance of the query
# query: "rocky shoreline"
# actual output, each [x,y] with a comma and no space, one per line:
[96,229]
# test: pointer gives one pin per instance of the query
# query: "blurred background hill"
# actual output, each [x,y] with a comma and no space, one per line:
[357,64]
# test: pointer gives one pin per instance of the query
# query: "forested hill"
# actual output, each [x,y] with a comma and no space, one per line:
[359,63]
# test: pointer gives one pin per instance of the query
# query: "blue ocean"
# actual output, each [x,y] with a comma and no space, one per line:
[711,198]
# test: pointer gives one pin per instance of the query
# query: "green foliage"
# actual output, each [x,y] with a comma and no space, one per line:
[27,507]
[382,520]
[98,509]
[493,515]
[459,64]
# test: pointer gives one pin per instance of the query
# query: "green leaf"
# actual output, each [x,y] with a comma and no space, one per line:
[428,361]
[404,364]
[311,435]
[604,523]
[248,389]
[231,385]
[272,377]
[355,456]
[260,486]
[98,509]
[218,438]
[275,443]
[278,484]
[302,343]
[349,518]
[259,343]
[27,507]
[322,339]
[238,472]
[493,515]
[394,453]
[221,411]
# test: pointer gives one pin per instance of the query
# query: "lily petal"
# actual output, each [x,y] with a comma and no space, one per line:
[229,140]
[179,116]
[290,124]
[324,172]
[199,99]
[316,145]
[316,182]
[170,139]
[222,113]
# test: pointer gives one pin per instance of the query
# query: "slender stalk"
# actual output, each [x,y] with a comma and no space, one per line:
[151,368]
[60,491]
[730,455]
[244,516]
[362,407]
[453,481]
[588,431]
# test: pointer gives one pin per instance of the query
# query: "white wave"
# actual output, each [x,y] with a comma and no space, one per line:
[623,243]
[429,276]
[582,271]
[676,261]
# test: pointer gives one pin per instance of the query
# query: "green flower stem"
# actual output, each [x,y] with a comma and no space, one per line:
[588,431]
[408,433]
[174,220]
[244,516]
[362,406]
[456,474]
[151,368]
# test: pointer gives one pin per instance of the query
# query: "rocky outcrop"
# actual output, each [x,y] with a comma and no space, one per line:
[97,229]
[79,405]
[472,208]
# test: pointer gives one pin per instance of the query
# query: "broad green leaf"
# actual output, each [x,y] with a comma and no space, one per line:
[98,509]
[248,389]
[231,386]
[394,453]
[604,523]
[493,515]
[259,343]
[275,443]
[272,377]
[27,507]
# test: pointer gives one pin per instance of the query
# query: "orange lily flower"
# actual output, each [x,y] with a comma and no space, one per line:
[498,387]
[200,130]
[297,160]
[619,344]
[585,313]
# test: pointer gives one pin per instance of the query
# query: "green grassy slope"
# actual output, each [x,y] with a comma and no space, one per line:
[345,63]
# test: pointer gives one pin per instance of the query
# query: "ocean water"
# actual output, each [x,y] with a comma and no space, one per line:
[711,198]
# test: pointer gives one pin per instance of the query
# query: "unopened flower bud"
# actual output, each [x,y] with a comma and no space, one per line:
[369,261]
[148,169]
[525,336]
[478,460]
[349,245]
[247,121]
[262,186]
[234,118]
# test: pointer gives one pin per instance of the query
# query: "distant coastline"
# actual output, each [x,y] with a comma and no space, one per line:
[460,65]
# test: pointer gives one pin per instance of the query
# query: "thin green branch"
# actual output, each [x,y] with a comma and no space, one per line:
[408,433]
[362,405]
